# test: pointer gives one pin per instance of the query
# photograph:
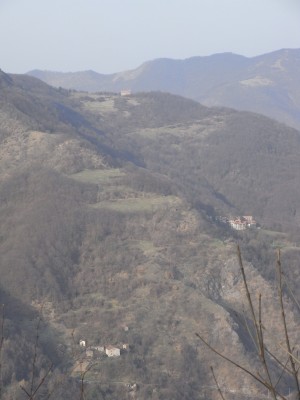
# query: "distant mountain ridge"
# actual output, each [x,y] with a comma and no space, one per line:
[267,84]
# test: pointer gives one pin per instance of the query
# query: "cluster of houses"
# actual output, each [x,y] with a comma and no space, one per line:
[110,351]
[239,223]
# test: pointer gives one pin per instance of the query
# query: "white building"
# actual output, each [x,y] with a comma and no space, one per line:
[125,92]
[238,224]
[112,351]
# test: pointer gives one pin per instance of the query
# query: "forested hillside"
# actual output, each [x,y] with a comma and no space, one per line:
[109,234]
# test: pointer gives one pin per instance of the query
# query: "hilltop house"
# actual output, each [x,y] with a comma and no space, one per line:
[125,92]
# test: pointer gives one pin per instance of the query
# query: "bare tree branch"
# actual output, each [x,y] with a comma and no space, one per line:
[215,379]
[1,346]
[258,326]
[283,317]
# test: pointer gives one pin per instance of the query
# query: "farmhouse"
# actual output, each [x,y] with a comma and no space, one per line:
[112,351]
[242,223]
[249,220]
[238,224]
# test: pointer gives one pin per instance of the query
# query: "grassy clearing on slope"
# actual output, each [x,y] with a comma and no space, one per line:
[107,106]
[147,204]
[273,233]
[120,197]
[97,103]
[98,176]
[146,246]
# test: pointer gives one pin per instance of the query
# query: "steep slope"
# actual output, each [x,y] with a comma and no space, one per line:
[106,221]
[267,84]
[224,161]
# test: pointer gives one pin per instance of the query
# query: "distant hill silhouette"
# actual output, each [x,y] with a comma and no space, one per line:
[268,84]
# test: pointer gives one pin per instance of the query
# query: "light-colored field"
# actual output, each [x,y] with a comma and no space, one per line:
[96,103]
[274,234]
[120,197]
[145,245]
[100,107]
[257,81]
[98,176]
[140,204]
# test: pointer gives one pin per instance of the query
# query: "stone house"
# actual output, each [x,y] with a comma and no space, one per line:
[112,351]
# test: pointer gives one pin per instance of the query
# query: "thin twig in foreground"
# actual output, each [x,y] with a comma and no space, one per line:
[258,327]
[215,379]
[283,318]
[1,346]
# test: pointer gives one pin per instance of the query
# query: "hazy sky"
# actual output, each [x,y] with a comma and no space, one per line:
[114,35]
